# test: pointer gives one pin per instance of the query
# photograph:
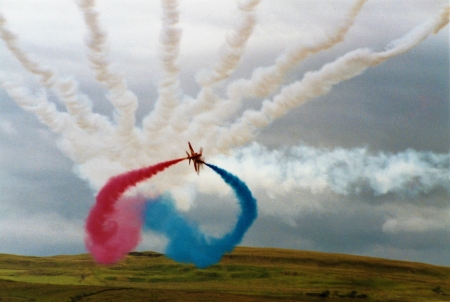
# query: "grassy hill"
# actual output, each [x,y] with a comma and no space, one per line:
[247,274]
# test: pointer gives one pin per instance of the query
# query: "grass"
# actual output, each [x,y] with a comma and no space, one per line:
[247,274]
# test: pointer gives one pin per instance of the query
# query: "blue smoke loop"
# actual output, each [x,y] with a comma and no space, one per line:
[187,243]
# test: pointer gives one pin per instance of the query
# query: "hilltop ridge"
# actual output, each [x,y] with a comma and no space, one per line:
[246,274]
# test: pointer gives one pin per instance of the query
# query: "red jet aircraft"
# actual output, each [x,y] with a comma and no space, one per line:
[196,158]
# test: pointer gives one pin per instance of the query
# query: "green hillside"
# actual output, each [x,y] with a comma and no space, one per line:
[247,274]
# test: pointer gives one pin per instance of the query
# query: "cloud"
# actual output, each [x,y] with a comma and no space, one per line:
[342,171]
[7,128]
[310,189]
[418,219]
[40,234]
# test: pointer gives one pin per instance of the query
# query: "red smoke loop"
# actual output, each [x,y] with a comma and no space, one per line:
[114,223]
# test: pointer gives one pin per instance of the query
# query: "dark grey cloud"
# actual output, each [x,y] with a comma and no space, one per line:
[352,227]
[363,224]
[36,176]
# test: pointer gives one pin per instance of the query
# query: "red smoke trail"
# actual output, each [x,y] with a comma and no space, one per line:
[114,223]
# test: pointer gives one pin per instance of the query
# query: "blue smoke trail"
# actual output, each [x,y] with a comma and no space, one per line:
[186,242]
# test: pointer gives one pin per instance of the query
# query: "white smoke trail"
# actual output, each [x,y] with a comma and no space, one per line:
[342,171]
[320,82]
[169,87]
[123,100]
[234,46]
[102,149]
[191,113]
[76,143]
[77,106]
[265,80]
[46,111]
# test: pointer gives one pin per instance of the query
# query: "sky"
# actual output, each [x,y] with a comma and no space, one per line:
[348,153]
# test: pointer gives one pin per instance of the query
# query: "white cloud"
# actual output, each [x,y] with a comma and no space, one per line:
[410,218]
[40,233]
[342,171]
[6,127]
